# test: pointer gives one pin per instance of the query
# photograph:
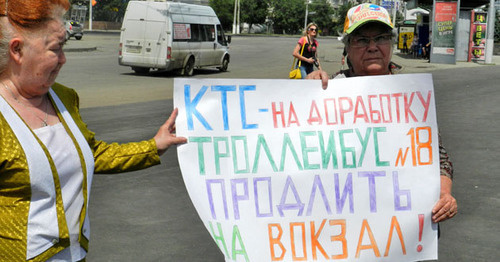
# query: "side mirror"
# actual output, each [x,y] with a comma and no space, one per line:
[229,39]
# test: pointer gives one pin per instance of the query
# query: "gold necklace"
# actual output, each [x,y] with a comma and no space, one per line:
[44,121]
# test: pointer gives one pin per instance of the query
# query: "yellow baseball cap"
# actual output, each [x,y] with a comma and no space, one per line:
[363,13]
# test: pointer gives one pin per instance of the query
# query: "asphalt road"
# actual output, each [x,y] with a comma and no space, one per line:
[100,81]
[147,215]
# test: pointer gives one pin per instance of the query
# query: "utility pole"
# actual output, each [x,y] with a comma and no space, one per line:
[490,33]
[394,11]
[236,17]
[239,11]
[90,15]
[404,10]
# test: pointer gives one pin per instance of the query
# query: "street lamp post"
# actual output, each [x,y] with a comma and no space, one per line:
[307,13]
[394,11]
[90,15]
[236,17]
[239,11]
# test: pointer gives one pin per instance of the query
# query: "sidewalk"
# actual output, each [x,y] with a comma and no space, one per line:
[418,65]
[73,45]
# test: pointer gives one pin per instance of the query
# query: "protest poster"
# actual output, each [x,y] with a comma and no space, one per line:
[281,170]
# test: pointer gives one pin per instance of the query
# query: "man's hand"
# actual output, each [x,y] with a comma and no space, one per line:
[319,74]
[446,207]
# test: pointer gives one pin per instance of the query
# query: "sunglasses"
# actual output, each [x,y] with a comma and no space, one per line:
[313,29]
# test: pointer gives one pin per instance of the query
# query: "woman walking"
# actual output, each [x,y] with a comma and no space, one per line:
[306,50]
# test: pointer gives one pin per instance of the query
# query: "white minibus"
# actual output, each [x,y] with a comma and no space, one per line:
[167,36]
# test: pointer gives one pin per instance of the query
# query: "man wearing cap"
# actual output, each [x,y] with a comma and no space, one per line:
[368,39]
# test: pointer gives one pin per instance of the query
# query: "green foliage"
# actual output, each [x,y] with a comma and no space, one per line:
[254,11]
[323,16]
[340,15]
[225,11]
[109,10]
[288,16]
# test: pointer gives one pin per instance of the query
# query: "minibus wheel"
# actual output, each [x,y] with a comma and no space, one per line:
[225,64]
[188,68]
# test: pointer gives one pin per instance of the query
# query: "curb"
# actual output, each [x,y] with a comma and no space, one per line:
[80,49]
[278,35]
[86,31]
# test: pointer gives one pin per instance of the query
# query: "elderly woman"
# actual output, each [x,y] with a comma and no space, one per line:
[47,154]
[306,50]
[368,39]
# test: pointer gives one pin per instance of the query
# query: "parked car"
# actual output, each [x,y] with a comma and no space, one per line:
[74,29]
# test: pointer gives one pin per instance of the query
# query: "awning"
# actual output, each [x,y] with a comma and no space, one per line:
[412,13]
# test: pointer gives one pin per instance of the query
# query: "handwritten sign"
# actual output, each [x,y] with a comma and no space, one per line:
[281,170]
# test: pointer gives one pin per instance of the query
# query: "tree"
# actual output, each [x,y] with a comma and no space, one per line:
[288,16]
[254,11]
[340,15]
[225,11]
[109,10]
[323,14]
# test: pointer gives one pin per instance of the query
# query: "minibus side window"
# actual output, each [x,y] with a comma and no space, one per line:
[209,32]
[212,33]
[203,34]
[194,33]
[197,34]
[182,32]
